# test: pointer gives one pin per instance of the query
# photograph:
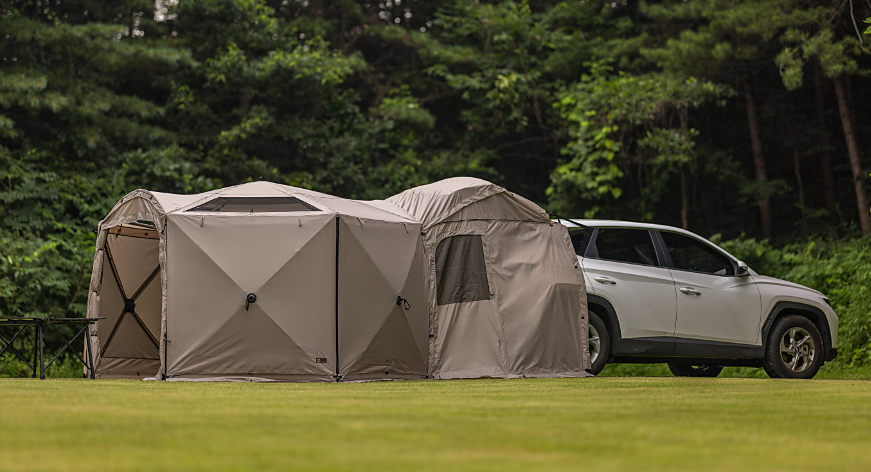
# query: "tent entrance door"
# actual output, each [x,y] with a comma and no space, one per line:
[467,323]
[130,302]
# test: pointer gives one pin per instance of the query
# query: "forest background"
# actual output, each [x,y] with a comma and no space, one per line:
[735,119]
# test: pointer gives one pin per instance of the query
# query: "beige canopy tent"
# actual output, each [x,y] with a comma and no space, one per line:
[258,282]
[267,282]
[507,296]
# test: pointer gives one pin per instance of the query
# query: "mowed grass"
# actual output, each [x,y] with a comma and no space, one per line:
[596,424]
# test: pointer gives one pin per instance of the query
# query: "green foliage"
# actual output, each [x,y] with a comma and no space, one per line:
[617,122]
[64,367]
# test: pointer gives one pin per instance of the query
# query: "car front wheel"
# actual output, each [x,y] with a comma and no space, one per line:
[794,349]
[600,344]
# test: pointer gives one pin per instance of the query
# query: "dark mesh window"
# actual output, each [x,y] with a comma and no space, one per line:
[580,239]
[254,205]
[689,254]
[626,245]
[461,275]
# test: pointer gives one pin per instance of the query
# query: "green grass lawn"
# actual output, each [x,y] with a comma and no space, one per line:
[596,424]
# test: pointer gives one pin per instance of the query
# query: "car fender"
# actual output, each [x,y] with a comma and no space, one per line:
[611,316]
[775,291]
[815,314]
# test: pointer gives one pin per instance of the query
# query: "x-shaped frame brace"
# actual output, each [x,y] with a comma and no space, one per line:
[8,345]
[129,303]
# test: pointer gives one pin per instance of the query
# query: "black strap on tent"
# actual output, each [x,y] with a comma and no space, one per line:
[403,302]
[570,221]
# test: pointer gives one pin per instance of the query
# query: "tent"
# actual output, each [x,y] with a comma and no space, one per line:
[258,282]
[267,282]
[507,295]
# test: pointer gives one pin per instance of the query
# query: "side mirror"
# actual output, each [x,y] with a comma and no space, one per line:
[743,270]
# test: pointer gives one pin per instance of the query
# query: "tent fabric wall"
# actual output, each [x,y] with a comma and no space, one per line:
[215,261]
[534,322]
[382,310]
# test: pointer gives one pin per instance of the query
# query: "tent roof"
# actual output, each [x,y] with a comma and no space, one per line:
[437,202]
[174,203]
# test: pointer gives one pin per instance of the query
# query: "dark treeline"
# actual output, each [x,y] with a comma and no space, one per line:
[721,116]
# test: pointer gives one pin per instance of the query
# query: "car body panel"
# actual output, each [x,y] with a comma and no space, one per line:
[643,296]
[727,309]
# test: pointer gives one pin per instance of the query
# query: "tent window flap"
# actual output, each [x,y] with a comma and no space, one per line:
[254,205]
[461,274]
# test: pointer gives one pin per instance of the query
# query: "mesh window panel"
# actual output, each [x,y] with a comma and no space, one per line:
[254,205]
[626,245]
[689,254]
[461,274]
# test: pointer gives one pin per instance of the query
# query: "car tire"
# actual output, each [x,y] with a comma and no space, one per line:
[794,349]
[599,342]
[689,370]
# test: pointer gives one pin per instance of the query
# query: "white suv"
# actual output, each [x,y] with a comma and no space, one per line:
[659,294]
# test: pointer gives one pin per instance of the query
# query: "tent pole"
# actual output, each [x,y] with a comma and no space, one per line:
[570,221]
[338,377]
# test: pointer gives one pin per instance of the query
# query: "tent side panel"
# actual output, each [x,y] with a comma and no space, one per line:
[378,337]
[540,297]
[286,261]
[467,336]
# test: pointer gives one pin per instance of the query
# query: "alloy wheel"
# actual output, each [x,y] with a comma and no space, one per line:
[797,349]
[595,344]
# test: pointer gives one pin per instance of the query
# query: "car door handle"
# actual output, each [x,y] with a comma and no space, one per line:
[605,280]
[689,291]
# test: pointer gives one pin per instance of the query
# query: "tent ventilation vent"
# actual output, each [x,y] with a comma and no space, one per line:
[254,205]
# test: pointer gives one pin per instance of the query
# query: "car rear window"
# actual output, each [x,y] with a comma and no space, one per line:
[625,245]
[580,239]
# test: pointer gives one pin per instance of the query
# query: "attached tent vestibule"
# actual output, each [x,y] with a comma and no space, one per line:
[507,294]
[267,282]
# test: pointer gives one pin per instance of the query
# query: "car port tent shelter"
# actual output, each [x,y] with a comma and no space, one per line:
[267,282]
[507,295]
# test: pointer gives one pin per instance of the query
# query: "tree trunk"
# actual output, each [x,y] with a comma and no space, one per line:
[684,198]
[826,158]
[759,161]
[853,151]
[795,156]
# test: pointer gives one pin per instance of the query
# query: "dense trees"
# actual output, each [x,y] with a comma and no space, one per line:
[693,113]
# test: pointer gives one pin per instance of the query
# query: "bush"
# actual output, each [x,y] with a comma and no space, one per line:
[65,367]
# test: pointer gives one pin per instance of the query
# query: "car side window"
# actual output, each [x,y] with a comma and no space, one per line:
[580,239]
[625,245]
[690,254]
